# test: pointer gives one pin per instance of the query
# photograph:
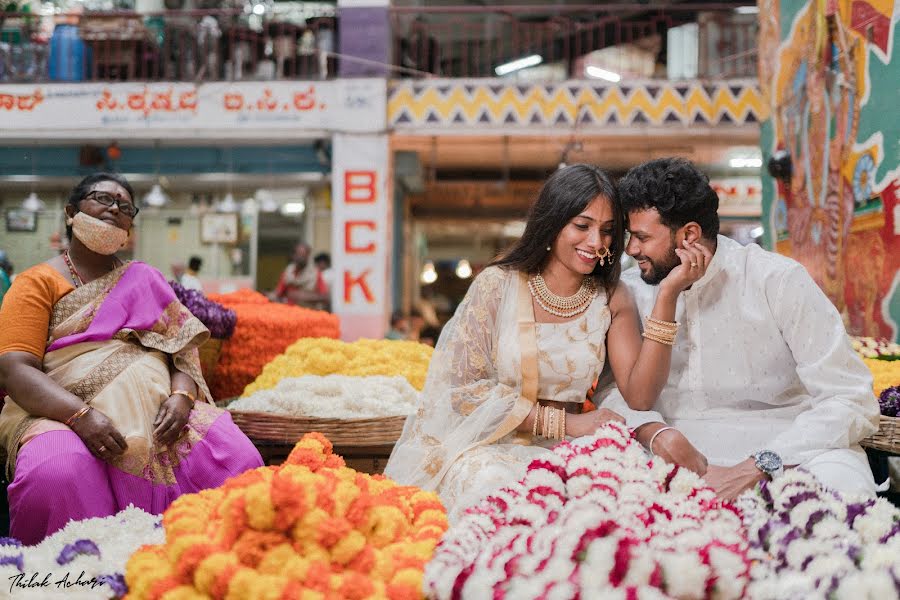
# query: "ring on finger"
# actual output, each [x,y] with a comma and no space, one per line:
[101,449]
[693,265]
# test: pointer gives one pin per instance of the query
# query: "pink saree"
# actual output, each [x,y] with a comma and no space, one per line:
[111,342]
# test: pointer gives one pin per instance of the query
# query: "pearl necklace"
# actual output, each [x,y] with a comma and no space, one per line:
[562,306]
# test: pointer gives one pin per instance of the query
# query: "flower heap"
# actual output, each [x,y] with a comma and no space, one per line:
[358,359]
[595,520]
[883,359]
[333,397]
[264,329]
[310,528]
[889,401]
[811,542]
[219,320]
[85,559]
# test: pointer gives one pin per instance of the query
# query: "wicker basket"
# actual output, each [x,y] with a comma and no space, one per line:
[887,438]
[265,427]
[209,357]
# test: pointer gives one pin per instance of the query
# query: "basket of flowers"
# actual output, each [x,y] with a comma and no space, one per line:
[356,394]
[883,359]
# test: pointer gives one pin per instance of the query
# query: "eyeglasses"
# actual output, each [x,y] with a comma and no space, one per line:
[107,199]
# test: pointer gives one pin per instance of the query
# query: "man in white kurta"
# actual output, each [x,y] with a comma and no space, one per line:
[761,362]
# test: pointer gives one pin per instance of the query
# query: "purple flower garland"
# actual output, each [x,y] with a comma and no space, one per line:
[219,320]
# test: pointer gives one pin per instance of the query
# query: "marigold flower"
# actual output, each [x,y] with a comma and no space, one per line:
[310,528]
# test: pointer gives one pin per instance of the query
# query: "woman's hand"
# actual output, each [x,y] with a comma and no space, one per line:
[695,258]
[99,435]
[589,423]
[171,419]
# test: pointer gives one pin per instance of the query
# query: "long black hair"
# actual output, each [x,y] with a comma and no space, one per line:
[564,196]
[86,185]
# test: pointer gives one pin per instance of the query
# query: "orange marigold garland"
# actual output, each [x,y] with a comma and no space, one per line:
[264,330]
[309,528]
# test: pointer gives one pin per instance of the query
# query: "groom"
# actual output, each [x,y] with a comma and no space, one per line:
[763,375]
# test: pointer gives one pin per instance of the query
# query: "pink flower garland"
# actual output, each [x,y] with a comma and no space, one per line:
[595,519]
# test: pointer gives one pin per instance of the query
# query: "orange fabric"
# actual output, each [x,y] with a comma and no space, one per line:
[27,306]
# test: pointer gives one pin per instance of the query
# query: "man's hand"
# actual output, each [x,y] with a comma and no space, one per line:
[672,446]
[731,482]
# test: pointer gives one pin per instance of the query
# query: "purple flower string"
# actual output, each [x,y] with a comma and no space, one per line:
[18,560]
[9,541]
[75,549]
[889,401]
[116,583]
[219,320]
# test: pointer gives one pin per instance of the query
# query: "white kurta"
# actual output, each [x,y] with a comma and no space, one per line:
[761,361]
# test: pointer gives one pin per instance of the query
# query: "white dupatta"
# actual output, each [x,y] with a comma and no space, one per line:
[481,384]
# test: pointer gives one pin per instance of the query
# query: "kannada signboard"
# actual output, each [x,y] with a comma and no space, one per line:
[186,110]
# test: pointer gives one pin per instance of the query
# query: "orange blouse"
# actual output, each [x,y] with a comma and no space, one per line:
[26,309]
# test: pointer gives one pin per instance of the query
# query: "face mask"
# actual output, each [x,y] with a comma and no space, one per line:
[99,236]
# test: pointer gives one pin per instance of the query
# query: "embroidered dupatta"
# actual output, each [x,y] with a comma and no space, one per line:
[482,381]
[127,319]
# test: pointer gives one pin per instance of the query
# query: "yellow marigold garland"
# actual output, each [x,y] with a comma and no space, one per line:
[323,356]
[308,529]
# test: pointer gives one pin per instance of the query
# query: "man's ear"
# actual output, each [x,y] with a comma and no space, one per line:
[692,232]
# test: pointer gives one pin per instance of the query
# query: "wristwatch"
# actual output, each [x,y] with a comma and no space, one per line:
[769,463]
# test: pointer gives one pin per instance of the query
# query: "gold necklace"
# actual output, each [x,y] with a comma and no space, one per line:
[562,306]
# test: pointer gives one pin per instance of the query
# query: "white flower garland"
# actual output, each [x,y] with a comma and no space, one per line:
[66,564]
[810,542]
[334,396]
[595,520]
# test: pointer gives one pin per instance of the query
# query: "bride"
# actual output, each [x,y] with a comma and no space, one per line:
[513,366]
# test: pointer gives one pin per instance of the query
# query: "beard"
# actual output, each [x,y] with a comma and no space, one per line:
[659,269]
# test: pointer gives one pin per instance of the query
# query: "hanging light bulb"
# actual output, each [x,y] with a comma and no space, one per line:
[266,200]
[156,197]
[249,206]
[32,203]
[463,269]
[228,204]
[429,273]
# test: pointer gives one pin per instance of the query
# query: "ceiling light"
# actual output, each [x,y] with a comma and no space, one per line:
[747,10]
[294,208]
[463,269]
[598,73]
[745,163]
[518,64]
[228,205]
[429,274]
[32,203]
[156,197]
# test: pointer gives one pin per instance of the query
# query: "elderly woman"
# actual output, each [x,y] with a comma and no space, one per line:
[107,406]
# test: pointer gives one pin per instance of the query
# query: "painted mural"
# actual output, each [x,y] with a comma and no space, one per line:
[827,74]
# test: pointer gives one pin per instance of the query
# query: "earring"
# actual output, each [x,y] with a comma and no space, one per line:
[548,248]
[606,254]
[69,220]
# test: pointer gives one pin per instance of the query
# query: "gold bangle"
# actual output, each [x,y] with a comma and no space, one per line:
[562,428]
[537,420]
[185,393]
[671,324]
[659,339]
[78,414]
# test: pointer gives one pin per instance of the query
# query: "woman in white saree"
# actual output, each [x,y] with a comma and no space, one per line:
[514,364]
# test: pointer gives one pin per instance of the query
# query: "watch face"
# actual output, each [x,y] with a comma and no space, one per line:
[768,461]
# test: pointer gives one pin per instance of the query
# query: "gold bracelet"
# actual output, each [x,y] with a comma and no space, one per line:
[562,428]
[78,414]
[537,420]
[185,393]
[669,324]
[656,338]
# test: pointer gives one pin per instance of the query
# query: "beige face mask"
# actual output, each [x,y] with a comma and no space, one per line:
[99,236]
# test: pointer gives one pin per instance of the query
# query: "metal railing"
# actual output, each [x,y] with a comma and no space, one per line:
[605,41]
[196,45]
